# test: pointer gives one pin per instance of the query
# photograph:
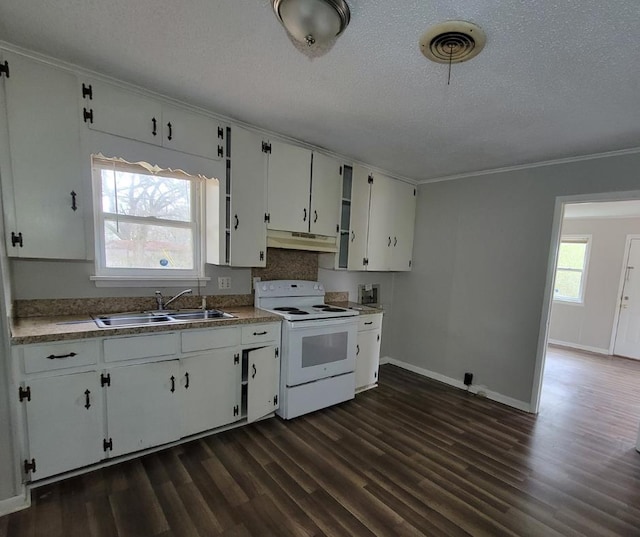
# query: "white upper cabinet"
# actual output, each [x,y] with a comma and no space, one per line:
[108,108]
[288,187]
[248,244]
[325,195]
[359,228]
[303,190]
[382,213]
[42,176]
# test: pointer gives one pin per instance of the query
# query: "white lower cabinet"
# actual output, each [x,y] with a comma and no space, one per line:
[143,407]
[210,389]
[127,394]
[64,423]
[368,351]
[263,380]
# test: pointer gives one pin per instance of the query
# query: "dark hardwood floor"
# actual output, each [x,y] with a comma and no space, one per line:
[413,457]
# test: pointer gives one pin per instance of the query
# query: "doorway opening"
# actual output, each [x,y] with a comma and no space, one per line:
[589,353]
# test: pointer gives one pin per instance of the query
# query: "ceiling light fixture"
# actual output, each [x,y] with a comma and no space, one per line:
[313,22]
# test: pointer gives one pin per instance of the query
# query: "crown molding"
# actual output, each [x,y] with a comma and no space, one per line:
[568,160]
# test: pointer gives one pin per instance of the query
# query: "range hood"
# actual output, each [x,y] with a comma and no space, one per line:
[301,241]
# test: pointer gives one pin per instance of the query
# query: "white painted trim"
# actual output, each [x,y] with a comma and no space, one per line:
[494,396]
[577,346]
[547,298]
[623,271]
[15,503]
[555,162]
[385,360]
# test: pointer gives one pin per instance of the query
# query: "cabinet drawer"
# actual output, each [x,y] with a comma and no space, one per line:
[260,333]
[215,338]
[369,322]
[148,346]
[55,356]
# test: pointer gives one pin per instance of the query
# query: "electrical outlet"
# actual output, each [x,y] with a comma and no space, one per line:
[224,282]
[255,281]
[468,379]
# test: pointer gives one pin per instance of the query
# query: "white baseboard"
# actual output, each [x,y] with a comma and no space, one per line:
[16,503]
[579,347]
[489,394]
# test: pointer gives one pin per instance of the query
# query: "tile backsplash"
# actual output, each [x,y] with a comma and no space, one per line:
[288,265]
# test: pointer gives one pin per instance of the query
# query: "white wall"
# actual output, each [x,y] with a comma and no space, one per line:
[589,325]
[473,301]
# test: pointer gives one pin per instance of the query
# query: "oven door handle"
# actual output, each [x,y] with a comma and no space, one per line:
[321,323]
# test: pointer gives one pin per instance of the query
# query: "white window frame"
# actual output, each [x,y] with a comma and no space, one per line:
[153,276]
[586,239]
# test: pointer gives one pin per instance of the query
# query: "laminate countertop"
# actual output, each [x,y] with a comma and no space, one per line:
[61,328]
[44,329]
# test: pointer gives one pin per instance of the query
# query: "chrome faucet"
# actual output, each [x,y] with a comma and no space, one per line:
[160,299]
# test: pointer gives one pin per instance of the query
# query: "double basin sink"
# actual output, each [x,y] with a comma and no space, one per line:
[146,318]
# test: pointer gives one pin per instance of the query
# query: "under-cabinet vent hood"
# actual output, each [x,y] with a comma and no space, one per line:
[301,241]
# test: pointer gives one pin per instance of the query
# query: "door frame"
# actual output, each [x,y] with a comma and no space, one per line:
[616,317]
[547,299]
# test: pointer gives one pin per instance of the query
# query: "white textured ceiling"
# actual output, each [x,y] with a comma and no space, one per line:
[558,78]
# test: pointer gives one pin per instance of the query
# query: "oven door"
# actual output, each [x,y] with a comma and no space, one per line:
[314,350]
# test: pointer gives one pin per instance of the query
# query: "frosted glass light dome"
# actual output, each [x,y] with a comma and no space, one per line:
[313,21]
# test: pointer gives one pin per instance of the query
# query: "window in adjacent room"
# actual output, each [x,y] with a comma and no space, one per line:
[571,270]
[147,221]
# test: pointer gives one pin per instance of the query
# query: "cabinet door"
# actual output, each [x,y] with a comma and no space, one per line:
[45,166]
[143,406]
[325,195]
[288,187]
[359,226]
[248,200]
[367,358]
[210,390]
[403,222]
[64,423]
[122,112]
[381,215]
[263,382]
[192,133]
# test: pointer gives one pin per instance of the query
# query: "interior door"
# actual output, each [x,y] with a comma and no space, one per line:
[628,335]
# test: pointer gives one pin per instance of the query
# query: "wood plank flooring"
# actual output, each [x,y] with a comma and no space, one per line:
[413,457]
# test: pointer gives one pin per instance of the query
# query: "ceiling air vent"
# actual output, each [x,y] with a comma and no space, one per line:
[452,42]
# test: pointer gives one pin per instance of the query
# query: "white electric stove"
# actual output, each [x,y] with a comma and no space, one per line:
[318,346]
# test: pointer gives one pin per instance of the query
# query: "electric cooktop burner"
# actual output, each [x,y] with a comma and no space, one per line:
[298,312]
[286,309]
[321,306]
[332,309]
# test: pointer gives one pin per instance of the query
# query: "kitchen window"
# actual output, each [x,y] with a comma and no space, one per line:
[571,270]
[147,221]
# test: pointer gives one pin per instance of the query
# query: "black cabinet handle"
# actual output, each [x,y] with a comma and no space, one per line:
[370,322]
[60,356]
[170,131]
[260,333]
[87,399]
[254,371]
[304,219]
[74,206]
[155,126]
[395,241]
[237,222]
[357,350]
[353,236]
[315,216]
[186,376]
[173,384]
[389,243]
